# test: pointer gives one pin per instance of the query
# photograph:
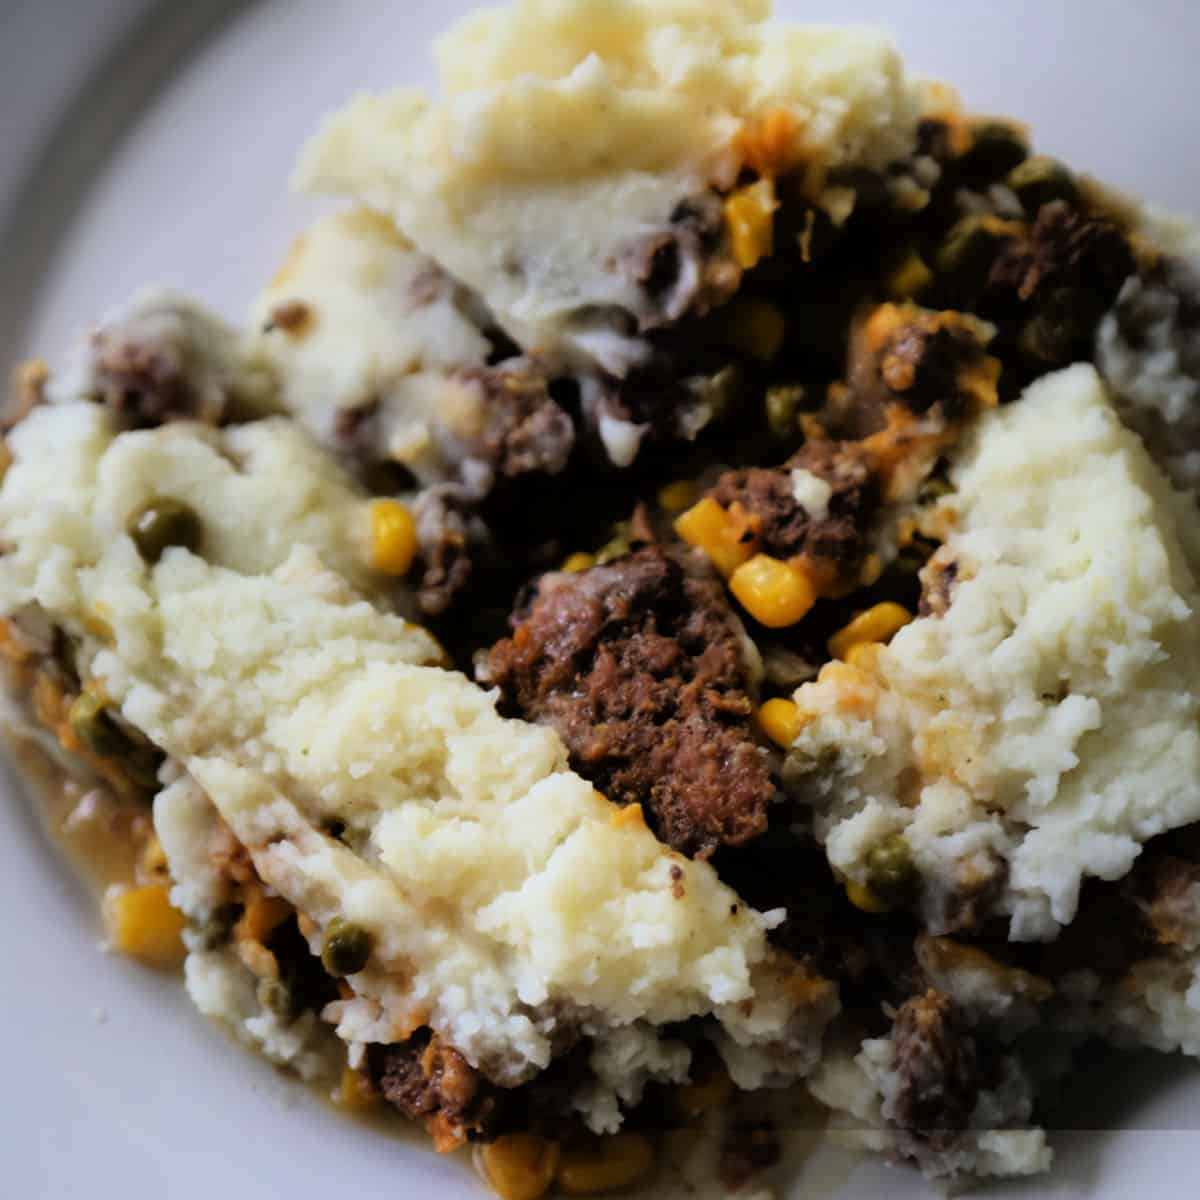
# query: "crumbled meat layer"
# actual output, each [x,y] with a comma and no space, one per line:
[937,1063]
[431,1082]
[786,528]
[524,431]
[640,666]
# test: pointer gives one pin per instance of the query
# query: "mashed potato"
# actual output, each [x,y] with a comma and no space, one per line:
[1046,726]
[358,327]
[601,118]
[508,900]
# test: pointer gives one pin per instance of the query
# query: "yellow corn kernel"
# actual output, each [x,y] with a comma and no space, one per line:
[781,721]
[675,497]
[579,561]
[710,528]
[393,537]
[520,1166]
[608,1164]
[863,898]
[143,924]
[909,278]
[750,218]
[756,326]
[775,593]
[355,1092]
[877,624]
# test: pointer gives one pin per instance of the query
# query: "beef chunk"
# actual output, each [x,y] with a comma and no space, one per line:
[1066,248]
[639,666]
[430,1081]
[785,528]
[444,534]
[1061,279]
[677,269]
[918,361]
[938,1071]
[523,429]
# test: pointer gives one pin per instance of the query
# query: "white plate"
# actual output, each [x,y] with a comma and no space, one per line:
[151,143]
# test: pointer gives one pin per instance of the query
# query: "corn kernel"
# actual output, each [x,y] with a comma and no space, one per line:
[675,497]
[863,898]
[520,1166]
[877,624]
[579,561]
[775,593]
[594,1168]
[393,537]
[143,924]
[750,217]
[782,721]
[756,326]
[718,533]
[355,1092]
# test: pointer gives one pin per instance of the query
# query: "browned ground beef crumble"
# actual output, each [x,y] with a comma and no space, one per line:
[641,668]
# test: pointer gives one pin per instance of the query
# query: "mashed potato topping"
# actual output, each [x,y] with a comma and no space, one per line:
[508,900]
[599,117]
[1045,726]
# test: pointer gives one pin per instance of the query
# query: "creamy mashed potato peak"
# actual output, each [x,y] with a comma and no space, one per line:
[569,129]
[1046,726]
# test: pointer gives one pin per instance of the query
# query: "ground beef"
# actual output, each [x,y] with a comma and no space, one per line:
[144,381]
[928,362]
[428,1080]
[921,364]
[938,1072]
[639,665]
[838,536]
[524,430]
[677,269]
[1057,282]
[444,535]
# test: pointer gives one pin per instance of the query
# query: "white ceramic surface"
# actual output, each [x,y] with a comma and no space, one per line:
[144,142]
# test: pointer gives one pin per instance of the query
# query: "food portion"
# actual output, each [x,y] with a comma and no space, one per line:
[680,602]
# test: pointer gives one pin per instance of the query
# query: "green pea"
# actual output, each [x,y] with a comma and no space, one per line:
[968,248]
[346,947]
[165,522]
[782,404]
[996,147]
[94,727]
[891,872]
[1040,180]
[1060,329]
